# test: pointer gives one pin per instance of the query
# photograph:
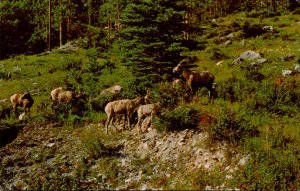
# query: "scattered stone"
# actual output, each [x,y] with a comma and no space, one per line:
[287,58]
[22,116]
[229,36]
[268,28]
[219,63]
[297,67]
[227,42]
[286,73]
[249,56]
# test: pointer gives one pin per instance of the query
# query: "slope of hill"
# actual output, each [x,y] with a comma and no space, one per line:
[248,139]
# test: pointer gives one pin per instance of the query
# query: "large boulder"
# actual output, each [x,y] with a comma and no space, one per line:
[249,56]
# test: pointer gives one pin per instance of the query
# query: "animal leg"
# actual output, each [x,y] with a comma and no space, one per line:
[128,120]
[124,122]
[138,125]
[211,95]
[109,118]
[113,122]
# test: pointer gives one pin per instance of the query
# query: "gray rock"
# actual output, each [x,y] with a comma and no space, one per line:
[297,68]
[286,72]
[227,42]
[229,36]
[250,55]
[268,28]
[261,60]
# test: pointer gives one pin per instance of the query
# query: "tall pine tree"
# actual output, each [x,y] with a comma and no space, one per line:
[152,38]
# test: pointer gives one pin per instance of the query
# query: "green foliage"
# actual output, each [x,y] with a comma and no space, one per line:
[170,96]
[151,39]
[14,25]
[233,125]
[276,169]
[182,117]
[92,143]
[200,178]
[6,111]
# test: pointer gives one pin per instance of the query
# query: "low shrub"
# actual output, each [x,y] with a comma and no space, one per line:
[182,117]
[168,96]
[5,111]
[99,102]
[269,168]
[233,125]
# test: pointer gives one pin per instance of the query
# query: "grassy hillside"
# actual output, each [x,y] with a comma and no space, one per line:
[254,120]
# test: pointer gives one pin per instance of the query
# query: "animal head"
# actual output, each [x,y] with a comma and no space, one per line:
[179,67]
[147,97]
[26,95]
[139,100]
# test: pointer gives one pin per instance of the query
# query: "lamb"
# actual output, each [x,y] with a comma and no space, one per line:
[148,110]
[195,80]
[125,107]
[23,100]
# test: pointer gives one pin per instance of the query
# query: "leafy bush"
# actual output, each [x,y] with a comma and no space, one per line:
[72,64]
[233,125]
[99,102]
[168,96]
[183,117]
[235,89]
[95,143]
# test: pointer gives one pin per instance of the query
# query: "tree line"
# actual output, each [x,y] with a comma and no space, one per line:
[149,34]
[25,23]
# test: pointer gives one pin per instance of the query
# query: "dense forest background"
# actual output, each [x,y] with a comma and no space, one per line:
[147,33]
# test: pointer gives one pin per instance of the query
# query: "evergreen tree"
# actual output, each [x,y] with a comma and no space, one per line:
[15,27]
[151,38]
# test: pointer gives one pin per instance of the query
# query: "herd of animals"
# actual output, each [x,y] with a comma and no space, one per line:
[193,81]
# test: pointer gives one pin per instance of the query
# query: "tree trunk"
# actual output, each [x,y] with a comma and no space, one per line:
[60,29]
[49,27]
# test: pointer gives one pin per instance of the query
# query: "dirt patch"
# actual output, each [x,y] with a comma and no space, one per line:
[8,134]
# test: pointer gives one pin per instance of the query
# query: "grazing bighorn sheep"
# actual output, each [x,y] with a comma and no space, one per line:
[148,110]
[23,100]
[59,95]
[113,90]
[195,80]
[65,96]
[125,107]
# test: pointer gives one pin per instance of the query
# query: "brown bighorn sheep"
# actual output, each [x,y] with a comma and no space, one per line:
[65,96]
[113,90]
[148,110]
[59,95]
[195,80]
[23,100]
[125,107]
